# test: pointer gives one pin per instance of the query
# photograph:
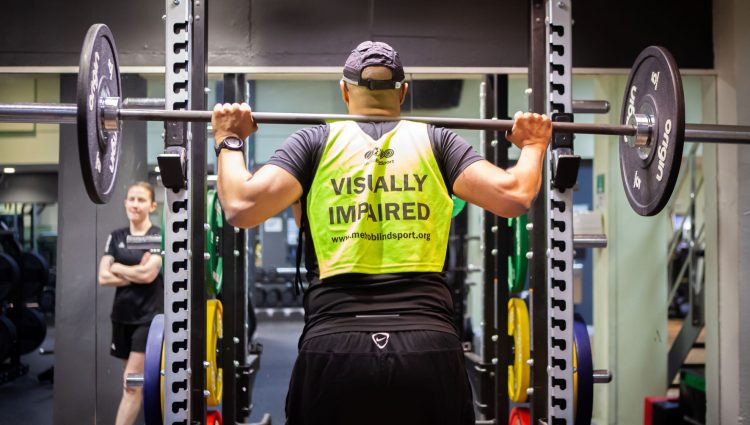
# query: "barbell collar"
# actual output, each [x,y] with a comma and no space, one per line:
[602,376]
[643,124]
[134,380]
[109,107]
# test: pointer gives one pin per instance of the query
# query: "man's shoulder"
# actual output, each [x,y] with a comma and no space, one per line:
[311,134]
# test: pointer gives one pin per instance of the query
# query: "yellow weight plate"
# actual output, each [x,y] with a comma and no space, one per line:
[575,380]
[519,372]
[214,374]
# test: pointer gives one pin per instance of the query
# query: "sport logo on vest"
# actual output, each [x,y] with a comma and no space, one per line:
[379,156]
[381,339]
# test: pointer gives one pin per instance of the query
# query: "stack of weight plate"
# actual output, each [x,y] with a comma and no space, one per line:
[214,275]
[519,328]
[153,380]
[22,324]
[519,333]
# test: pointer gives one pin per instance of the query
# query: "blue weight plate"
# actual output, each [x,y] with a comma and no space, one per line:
[98,78]
[585,372]
[649,173]
[152,372]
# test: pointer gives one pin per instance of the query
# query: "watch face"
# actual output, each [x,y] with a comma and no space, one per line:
[233,143]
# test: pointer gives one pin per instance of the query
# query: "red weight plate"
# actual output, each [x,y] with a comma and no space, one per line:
[519,416]
[213,418]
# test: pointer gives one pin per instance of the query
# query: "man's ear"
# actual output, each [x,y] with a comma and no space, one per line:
[404,89]
[344,91]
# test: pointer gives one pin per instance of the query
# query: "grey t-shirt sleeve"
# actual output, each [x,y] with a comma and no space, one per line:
[453,153]
[300,153]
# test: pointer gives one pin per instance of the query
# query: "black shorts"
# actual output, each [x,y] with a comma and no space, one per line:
[363,378]
[127,338]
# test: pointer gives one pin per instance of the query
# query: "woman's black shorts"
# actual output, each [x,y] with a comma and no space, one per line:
[127,338]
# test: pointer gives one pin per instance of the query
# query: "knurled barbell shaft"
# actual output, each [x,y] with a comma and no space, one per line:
[714,133]
[57,113]
[44,113]
[307,119]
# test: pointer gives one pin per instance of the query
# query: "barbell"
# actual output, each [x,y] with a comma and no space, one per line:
[652,123]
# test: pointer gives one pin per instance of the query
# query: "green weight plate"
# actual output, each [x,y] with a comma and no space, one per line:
[458,206]
[215,265]
[517,261]
[163,227]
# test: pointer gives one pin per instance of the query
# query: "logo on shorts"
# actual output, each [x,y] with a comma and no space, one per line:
[380,339]
[113,346]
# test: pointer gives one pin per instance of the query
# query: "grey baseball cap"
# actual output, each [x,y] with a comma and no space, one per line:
[374,53]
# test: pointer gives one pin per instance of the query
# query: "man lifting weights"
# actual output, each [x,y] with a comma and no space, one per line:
[379,345]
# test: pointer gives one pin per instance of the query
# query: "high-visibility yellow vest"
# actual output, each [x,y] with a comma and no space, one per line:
[379,206]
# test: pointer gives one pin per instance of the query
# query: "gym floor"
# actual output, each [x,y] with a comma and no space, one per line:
[27,401]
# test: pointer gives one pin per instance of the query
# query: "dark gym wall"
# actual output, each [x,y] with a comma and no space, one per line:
[473,33]
[88,381]
[36,187]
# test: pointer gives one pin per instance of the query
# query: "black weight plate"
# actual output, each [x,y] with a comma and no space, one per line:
[32,329]
[288,297]
[152,372]
[649,174]
[7,338]
[47,300]
[10,275]
[98,77]
[34,275]
[273,297]
[585,371]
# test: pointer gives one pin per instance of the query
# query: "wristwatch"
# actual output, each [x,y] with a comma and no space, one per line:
[231,143]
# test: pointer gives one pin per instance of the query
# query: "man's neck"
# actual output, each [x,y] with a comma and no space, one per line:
[377,112]
[140,228]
